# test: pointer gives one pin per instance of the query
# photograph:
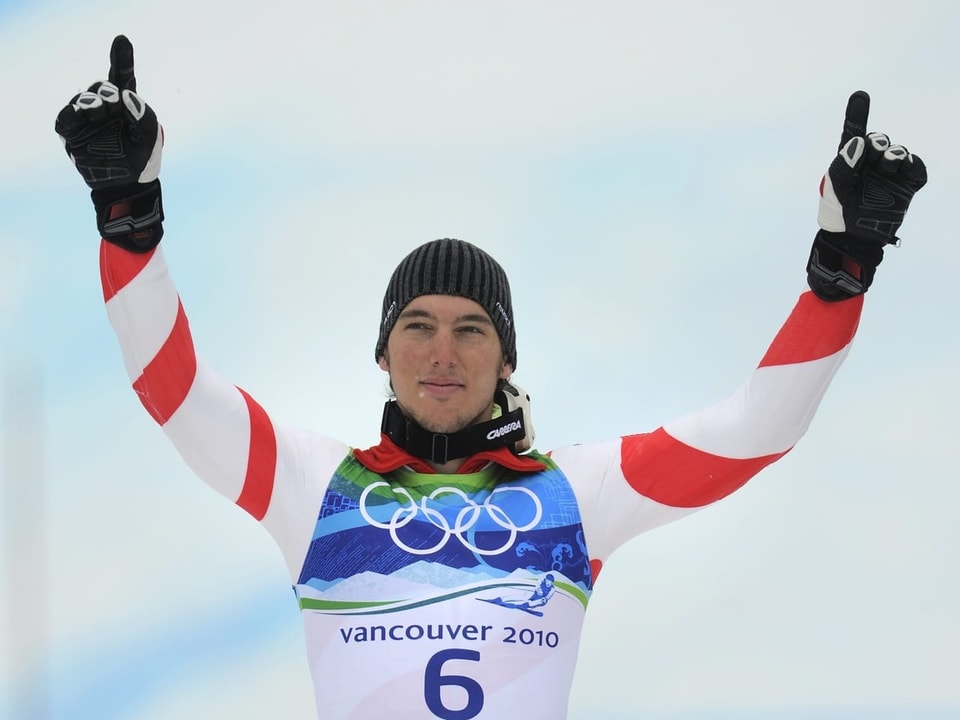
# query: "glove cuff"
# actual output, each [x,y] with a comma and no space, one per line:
[130,216]
[841,265]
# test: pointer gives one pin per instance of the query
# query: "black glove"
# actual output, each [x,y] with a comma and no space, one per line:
[114,140]
[863,199]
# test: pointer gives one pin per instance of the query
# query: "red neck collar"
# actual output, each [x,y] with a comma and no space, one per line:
[387,457]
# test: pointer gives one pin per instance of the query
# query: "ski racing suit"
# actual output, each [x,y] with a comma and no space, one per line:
[455,596]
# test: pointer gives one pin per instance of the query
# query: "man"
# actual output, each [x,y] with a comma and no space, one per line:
[445,572]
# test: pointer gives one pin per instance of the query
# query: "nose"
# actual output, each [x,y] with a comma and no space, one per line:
[443,350]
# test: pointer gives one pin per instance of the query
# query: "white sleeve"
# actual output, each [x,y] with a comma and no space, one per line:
[278,475]
[638,482]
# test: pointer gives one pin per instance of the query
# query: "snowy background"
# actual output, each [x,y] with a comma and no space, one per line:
[647,174]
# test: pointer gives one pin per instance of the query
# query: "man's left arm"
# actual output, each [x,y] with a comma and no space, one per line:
[703,457]
[700,458]
[864,196]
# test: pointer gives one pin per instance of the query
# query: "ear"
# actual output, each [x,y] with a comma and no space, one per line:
[506,370]
[384,363]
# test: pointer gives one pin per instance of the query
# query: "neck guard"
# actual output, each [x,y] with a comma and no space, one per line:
[508,430]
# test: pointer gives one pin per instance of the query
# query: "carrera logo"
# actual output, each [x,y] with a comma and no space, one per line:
[503,430]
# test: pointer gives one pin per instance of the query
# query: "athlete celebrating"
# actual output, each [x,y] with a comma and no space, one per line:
[445,572]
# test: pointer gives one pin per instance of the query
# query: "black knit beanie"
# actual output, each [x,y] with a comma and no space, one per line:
[451,267]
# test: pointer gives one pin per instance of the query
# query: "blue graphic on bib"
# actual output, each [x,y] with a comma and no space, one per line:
[519,534]
[537,599]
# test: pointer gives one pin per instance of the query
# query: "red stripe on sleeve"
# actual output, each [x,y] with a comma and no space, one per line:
[118,267]
[261,462]
[814,330]
[664,469]
[167,379]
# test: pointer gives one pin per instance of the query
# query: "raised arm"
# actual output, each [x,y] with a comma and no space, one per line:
[115,141]
[642,481]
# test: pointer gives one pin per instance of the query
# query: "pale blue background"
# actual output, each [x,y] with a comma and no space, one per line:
[647,174]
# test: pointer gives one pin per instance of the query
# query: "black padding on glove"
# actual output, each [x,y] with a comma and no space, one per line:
[130,216]
[842,265]
[103,136]
[876,191]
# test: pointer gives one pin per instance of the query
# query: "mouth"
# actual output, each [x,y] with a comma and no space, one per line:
[439,387]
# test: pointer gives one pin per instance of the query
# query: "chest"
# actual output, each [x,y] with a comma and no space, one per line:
[410,535]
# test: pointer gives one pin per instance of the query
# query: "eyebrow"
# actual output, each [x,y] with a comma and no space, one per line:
[469,317]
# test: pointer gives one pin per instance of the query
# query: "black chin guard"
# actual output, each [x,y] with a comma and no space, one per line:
[504,431]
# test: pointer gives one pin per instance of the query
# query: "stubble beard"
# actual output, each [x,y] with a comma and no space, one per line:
[459,423]
[451,426]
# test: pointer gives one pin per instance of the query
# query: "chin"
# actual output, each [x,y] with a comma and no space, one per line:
[443,427]
[439,425]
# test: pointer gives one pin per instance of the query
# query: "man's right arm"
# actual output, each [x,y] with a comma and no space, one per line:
[276,475]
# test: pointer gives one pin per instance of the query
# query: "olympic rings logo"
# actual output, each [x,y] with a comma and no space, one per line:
[467,517]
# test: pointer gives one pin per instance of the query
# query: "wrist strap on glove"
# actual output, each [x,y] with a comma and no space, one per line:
[130,216]
[841,265]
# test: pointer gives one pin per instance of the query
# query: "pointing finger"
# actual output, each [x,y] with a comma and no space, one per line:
[855,121]
[121,64]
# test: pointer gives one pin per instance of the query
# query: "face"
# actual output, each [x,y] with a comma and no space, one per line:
[445,360]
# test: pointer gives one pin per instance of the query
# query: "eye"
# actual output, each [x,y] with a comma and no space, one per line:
[416,325]
[470,330]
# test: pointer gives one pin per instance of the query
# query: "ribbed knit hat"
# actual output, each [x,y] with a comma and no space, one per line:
[451,267]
